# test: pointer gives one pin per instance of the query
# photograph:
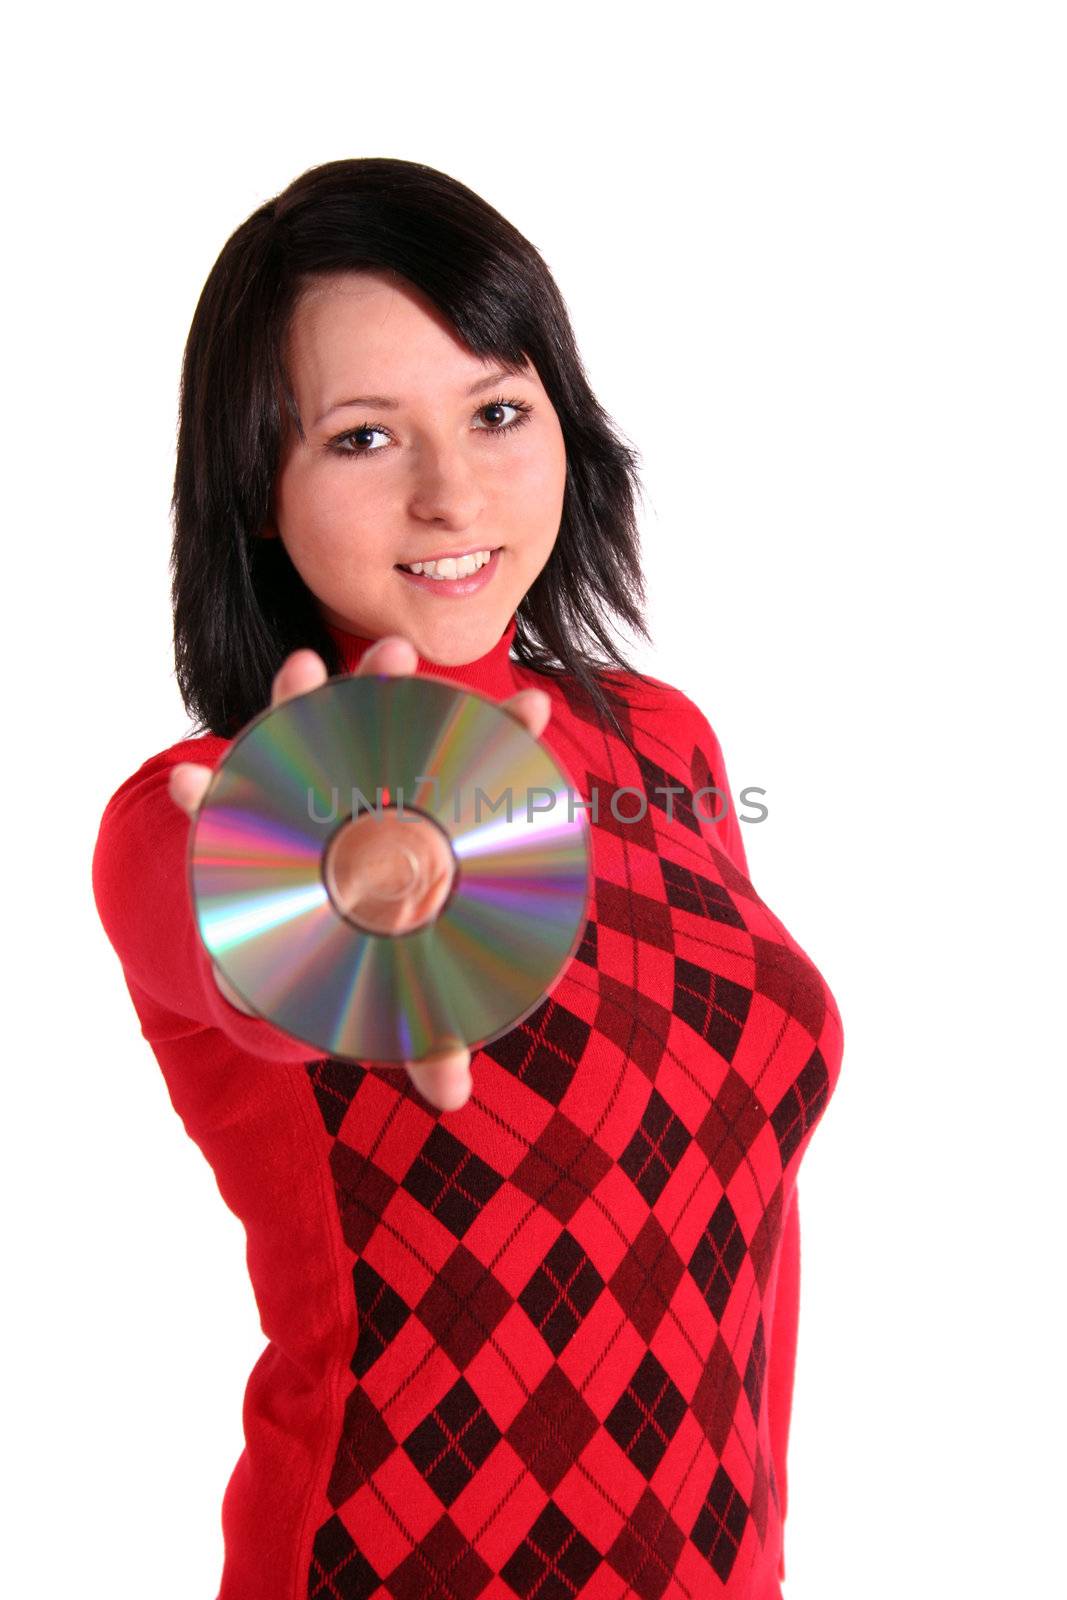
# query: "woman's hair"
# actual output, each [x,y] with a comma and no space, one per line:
[240,606]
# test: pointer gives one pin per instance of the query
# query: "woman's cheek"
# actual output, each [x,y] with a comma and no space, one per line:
[538,477]
[333,513]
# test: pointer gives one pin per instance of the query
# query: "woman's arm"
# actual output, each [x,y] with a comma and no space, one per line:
[141,887]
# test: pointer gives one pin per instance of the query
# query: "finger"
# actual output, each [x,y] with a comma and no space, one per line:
[443,1079]
[531,707]
[392,655]
[299,672]
[187,785]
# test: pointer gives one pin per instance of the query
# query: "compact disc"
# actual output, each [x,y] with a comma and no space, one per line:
[409,746]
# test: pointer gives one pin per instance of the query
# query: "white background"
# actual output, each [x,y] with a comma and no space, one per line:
[815,260]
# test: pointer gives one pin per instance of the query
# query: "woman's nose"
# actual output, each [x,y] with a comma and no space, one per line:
[445,486]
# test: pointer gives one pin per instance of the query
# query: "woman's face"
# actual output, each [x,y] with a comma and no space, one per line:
[414,449]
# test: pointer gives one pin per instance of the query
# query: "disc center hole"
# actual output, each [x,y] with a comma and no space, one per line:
[387,871]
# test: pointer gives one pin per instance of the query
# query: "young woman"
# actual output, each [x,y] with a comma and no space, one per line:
[531,1314]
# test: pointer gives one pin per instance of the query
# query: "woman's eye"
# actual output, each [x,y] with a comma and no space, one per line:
[359,439]
[498,406]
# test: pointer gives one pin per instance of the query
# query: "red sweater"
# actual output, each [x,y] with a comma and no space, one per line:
[543,1345]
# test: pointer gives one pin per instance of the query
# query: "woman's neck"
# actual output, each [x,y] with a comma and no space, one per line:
[491,674]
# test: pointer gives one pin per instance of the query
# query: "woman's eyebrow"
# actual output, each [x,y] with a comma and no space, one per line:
[386,402]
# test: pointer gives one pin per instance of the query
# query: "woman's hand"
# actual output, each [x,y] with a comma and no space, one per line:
[395,875]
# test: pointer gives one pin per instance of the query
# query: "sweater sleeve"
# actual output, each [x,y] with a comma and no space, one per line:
[709,769]
[141,887]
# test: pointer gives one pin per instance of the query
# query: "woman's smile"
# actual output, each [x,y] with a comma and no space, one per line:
[449,583]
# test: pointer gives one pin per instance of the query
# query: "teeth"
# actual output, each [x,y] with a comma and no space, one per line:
[449,567]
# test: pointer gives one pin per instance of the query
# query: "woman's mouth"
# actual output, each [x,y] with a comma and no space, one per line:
[452,577]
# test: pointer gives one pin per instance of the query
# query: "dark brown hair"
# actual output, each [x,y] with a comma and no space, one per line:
[239,604]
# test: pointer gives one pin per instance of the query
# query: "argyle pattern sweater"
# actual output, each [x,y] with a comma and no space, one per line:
[542,1346]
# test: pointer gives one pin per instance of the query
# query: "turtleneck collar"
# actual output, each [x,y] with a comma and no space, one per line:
[492,674]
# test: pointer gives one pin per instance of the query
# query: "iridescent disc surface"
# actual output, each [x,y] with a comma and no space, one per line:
[357,744]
